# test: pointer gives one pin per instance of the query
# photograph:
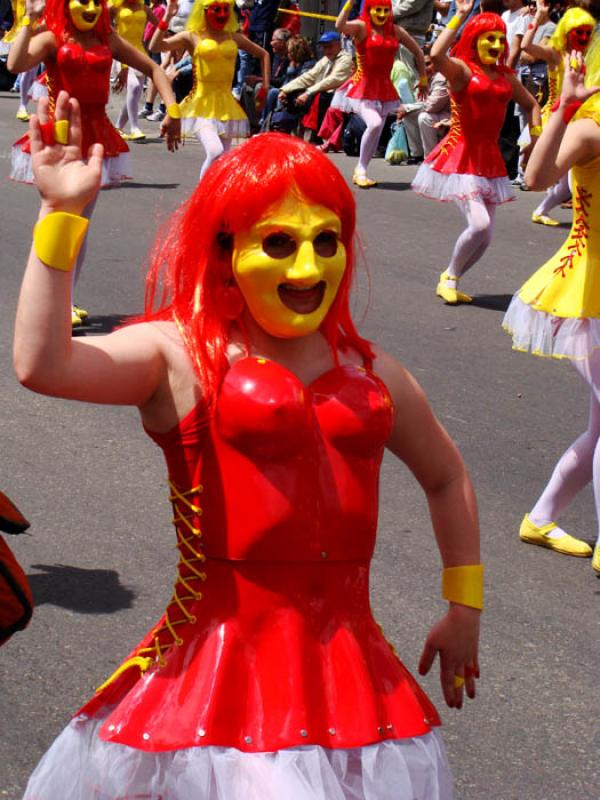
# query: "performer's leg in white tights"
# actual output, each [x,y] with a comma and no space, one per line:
[554,196]
[476,238]
[580,463]
[27,79]
[370,138]
[213,144]
[131,108]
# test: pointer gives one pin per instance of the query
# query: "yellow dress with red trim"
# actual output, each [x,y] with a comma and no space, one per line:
[85,75]
[467,163]
[210,102]
[18,9]
[267,678]
[557,311]
[370,85]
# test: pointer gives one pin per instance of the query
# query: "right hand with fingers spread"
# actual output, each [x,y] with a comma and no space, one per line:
[464,7]
[65,182]
[574,89]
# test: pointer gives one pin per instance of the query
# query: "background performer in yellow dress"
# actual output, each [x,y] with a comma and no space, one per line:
[556,312]
[210,111]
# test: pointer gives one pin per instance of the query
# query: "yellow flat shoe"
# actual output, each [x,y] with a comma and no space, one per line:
[596,559]
[362,181]
[76,321]
[136,136]
[542,219]
[82,313]
[23,116]
[451,296]
[567,545]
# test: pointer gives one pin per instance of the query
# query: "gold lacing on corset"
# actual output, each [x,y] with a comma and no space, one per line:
[577,241]
[189,576]
[455,131]
[359,71]
[51,95]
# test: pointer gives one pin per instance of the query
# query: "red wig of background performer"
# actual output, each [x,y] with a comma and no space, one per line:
[191,279]
[466,47]
[365,16]
[58,20]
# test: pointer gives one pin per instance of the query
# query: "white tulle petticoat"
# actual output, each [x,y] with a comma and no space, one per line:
[458,187]
[228,129]
[115,169]
[80,766]
[354,105]
[545,335]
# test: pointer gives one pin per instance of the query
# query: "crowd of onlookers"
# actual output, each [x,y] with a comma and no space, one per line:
[305,75]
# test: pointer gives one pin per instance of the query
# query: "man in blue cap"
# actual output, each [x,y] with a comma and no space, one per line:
[323,79]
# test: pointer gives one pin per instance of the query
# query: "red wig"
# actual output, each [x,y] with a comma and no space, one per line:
[58,20]
[466,47]
[190,271]
[365,16]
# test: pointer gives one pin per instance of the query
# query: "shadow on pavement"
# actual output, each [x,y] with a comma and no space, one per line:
[494,302]
[87,591]
[396,186]
[104,324]
[137,185]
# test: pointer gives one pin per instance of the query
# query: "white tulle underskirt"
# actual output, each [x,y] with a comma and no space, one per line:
[227,129]
[115,169]
[80,766]
[545,335]
[458,187]
[354,105]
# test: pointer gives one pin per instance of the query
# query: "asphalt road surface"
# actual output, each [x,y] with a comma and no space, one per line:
[100,552]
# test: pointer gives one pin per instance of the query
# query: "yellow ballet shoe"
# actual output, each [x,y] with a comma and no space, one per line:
[76,321]
[134,136]
[568,545]
[360,180]
[542,219]
[23,116]
[596,559]
[450,295]
[82,313]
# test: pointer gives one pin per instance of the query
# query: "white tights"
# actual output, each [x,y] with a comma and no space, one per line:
[370,138]
[213,144]
[580,463]
[555,195]
[476,238]
[27,79]
[131,106]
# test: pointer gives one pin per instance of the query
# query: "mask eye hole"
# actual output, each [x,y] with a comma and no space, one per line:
[326,244]
[279,245]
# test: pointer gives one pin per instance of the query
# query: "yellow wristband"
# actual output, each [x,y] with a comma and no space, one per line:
[25,21]
[535,130]
[57,239]
[174,111]
[455,23]
[464,585]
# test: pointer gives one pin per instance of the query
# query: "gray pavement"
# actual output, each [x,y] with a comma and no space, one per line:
[100,553]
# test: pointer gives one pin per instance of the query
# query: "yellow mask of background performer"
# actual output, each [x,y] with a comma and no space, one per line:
[289,266]
[379,15]
[85,15]
[490,46]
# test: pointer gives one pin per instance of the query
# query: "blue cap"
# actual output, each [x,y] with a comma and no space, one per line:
[329,36]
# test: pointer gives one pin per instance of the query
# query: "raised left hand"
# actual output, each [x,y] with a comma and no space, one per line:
[455,638]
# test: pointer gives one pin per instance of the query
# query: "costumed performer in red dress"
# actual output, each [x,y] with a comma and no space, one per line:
[267,677]
[370,92]
[77,49]
[466,167]
[556,313]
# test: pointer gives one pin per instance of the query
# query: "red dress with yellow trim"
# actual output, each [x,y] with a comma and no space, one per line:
[267,677]
[85,75]
[371,84]
[467,163]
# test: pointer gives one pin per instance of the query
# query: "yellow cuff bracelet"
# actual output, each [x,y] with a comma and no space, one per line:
[61,131]
[535,130]
[455,23]
[464,585]
[174,111]
[25,22]
[57,239]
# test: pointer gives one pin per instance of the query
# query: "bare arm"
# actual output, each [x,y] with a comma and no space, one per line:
[355,27]
[30,49]
[453,69]
[407,41]
[257,52]
[424,446]
[540,52]
[563,145]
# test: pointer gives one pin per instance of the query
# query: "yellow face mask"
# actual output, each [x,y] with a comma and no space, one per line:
[289,266]
[490,47]
[379,15]
[85,15]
